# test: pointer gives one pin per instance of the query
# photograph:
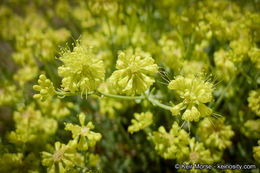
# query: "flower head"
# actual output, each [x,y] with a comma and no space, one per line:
[195,93]
[9,94]
[239,49]
[134,73]
[254,55]
[217,135]
[82,71]
[172,53]
[83,135]
[31,126]
[224,67]
[169,144]
[251,128]
[256,151]
[10,162]
[141,121]
[196,154]
[254,101]
[62,159]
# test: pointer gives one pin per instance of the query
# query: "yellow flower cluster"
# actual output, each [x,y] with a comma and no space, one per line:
[254,55]
[254,101]
[134,74]
[82,71]
[17,162]
[167,59]
[62,159]
[256,151]
[195,93]
[178,145]
[65,158]
[251,128]
[45,88]
[172,52]
[80,133]
[225,68]
[169,144]
[31,126]
[9,94]
[215,134]
[140,122]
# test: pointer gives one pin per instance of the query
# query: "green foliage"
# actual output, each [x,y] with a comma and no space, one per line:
[128,86]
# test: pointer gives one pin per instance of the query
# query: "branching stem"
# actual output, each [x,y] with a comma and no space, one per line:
[120,97]
[151,99]
[156,102]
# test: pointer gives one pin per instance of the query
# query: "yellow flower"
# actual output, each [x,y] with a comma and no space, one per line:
[215,135]
[140,122]
[196,153]
[134,73]
[82,71]
[79,133]
[256,151]
[172,144]
[254,55]
[45,88]
[195,93]
[62,159]
[254,101]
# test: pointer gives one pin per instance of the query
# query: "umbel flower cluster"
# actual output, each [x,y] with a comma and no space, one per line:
[195,93]
[134,73]
[81,71]
[129,86]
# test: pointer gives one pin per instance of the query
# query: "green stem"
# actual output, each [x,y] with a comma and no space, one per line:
[246,76]
[50,73]
[148,132]
[223,93]
[121,97]
[151,99]
[190,48]
[159,104]
[124,131]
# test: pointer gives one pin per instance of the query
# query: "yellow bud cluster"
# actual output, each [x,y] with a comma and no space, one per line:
[45,88]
